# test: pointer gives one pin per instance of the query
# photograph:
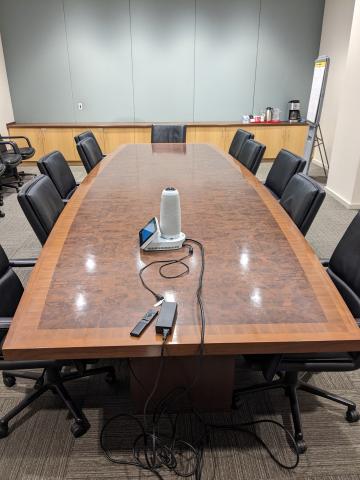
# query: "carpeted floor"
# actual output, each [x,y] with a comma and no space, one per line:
[41,447]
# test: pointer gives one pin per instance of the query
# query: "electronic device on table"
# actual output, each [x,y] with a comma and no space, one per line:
[167,235]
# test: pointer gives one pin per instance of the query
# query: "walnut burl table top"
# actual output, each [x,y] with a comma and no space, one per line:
[264,290]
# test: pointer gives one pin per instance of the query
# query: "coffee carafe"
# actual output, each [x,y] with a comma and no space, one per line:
[294,111]
[268,114]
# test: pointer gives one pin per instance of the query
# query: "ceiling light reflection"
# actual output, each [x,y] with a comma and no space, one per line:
[256,297]
[90,265]
[244,260]
[80,301]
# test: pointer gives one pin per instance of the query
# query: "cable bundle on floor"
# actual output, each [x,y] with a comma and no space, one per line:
[152,449]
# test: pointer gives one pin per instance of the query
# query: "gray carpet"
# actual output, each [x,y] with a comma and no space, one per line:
[41,446]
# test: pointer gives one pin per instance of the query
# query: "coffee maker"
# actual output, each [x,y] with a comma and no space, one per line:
[294,111]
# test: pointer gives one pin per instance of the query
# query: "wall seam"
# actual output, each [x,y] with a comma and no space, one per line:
[132,64]
[256,59]
[68,55]
[194,79]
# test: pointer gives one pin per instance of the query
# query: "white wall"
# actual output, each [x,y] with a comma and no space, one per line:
[335,35]
[344,174]
[6,111]
[157,60]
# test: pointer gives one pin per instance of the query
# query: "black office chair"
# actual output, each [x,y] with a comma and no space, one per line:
[52,376]
[302,199]
[237,142]
[168,133]
[87,134]
[42,205]
[11,158]
[343,268]
[89,152]
[25,152]
[285,166]
[251,154]
[2,171]
[57,169]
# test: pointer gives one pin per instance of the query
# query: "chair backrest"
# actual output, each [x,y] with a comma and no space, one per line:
[302,199]
[42,205]
[11,288]
[251,154]
[57,169]
[87,134]
[285,166]
[344,266]
[89,152]
[168,134]
[237,142]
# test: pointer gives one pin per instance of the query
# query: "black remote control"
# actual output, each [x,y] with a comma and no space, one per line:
[144,322]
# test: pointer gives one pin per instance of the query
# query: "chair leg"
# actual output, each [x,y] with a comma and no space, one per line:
[296,418]
[25,402]
[23,174]
[81,424]
[352,415]
[110,374]
[51,379]
[15,374]
[262,387]
[10,185]
[18,177]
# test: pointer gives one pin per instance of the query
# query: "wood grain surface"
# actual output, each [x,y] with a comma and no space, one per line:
[264,288]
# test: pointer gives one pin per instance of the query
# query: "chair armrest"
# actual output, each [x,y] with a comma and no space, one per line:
[78,183]
[13,145]
[65,200]
[23,262]
[5,323]
[324,262]
[18,136]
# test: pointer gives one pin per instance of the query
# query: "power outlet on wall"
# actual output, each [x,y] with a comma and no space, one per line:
[80,106]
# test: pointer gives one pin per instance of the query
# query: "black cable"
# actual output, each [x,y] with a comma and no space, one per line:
[165,264]
[161,450]
[241,427]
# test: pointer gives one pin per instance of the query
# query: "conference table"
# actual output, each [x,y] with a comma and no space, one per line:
[264,290]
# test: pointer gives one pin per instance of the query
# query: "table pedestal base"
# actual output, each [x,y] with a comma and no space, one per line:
[211,392]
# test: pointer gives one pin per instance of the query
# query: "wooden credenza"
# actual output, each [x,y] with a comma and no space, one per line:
[48,137]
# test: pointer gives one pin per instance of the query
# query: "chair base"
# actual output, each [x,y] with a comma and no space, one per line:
[23,174]
[291,384]
[52,379]
[16,183]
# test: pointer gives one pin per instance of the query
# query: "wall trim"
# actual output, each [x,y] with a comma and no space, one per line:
[343,201]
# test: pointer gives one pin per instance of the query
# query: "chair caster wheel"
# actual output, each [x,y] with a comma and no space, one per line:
[301,446]
[4,430]
[79,428]
[2,214]
[110,378]
[352,416]
[9,380]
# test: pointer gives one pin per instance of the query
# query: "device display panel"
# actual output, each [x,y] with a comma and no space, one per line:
[147,232]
